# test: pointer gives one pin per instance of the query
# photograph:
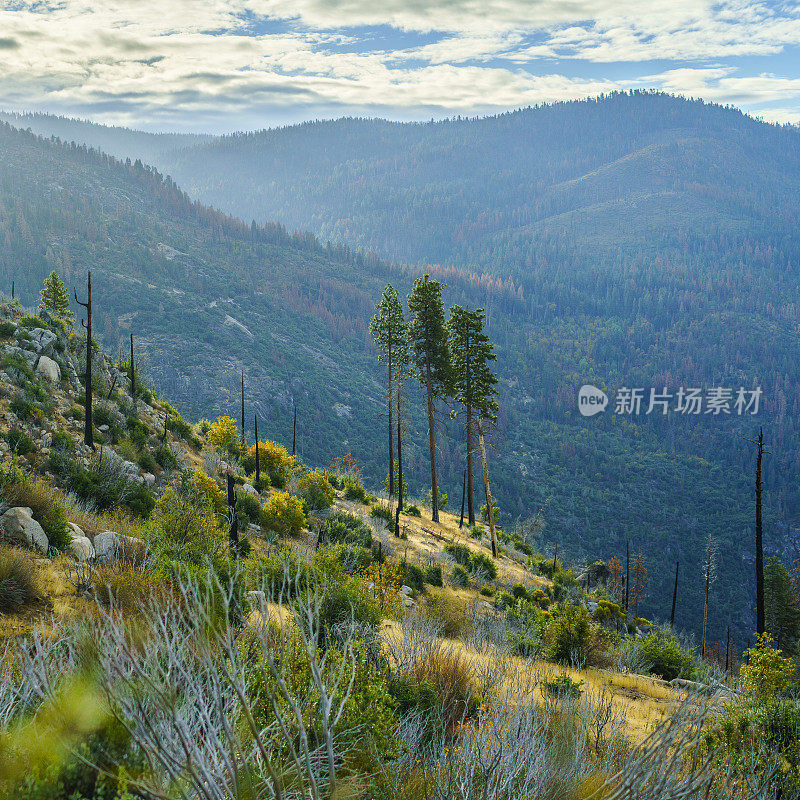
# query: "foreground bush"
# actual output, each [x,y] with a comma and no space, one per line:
[316,491]
[283,514]
[18,582]
[664,657]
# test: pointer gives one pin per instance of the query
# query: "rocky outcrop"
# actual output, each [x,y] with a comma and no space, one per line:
[43,340]
[48,369]
[80,545]
[596,574]
[107,545]
[19,527]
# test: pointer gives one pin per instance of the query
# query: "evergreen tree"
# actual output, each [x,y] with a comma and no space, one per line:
[388,328]
[55,299]
[473,380]
[780,606]
[427,337]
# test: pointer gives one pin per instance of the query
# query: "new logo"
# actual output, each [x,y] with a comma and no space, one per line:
[591,400]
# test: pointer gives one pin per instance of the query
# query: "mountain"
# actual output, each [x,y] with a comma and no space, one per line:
[634,241]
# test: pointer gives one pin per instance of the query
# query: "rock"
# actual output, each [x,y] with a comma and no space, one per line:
[253,529]
[42,339]
[248,489]
[131,547]
[48,369]
[596,574]
[104,429]
[19,527]
[591,606]
[80,546]
[408,602]
[107,545]
[257,601]
[407,591]
[149,479]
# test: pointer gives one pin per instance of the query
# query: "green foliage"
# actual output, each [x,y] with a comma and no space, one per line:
[767,673]
[31,321]
[663,655]
[147,462]
[102,415]
[475,532]
[459,576]
[7,329]
[563,686]
[63,441]
[412,511]
[46,507]
[344,527]
[412,576]
[442,499]
[433,575]
[18,441]
[283,513]
[55,300]
[18,584]
[353,490]
[475,562]
[316,491]
[138,432]
[485,512]
[781,612]
[21,407]
[165,458]
[248,508]
[381,511]
[567,634]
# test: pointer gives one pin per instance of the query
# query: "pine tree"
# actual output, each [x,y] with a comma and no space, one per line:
[55,299]
[782,615]
[473,381]
[427,338]
[388,328]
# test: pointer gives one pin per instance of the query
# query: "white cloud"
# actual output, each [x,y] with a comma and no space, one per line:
[142,61]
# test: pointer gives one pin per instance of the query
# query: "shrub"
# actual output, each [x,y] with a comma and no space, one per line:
[458,552]
[412,511]
[283,513]
[344,601]
[102,415]
[519,591]
[125,587]
[45,504]
[248,508]
[504,600]
[344,527]
[442,499]
[18,582]
[137,431]
[178,425]
[608,612]
[480,562]
[140,500]
[76,412]
[563,686]
[7,329]
[21,407]
[31,321]
[433,575]
[475,532]
[459,576]
[316,491]
[485,512]
[381,511]
[214,497]
[147,462]
[165,458]
[567,634]
[274,461]
[663,655]
[62,441]
[767,672]
[352,557]
[412,576]
[486,590]
[353,490]
[224,435]
[18,441]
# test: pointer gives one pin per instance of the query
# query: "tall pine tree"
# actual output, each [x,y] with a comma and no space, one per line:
[388,328]
[475,387]
[55,299]
[427,338]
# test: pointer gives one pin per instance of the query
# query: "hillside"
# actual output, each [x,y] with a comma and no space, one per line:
[577,286]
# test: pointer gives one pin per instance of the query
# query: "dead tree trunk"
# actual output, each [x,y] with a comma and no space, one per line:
[258,462]
[674,597]
[760,621]
[489,506]
[233,522]
[399,465]
[88,435]
[133,376]
[432,445]
[463,492]
[705,602]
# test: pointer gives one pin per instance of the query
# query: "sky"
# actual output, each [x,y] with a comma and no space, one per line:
[224,65]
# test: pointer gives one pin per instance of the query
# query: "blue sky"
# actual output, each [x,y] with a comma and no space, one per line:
[238,64]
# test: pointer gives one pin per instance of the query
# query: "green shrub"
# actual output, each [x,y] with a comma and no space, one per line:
[137,431]
[480,562]
[412,511]
[563,686]
[487,591]
[504,600]
[21,407]
[412,576]
[567,634]
[442,499]
[102,415]
[7,329]
[316,491]
[344,527]
[353,490]
[661,651]
[46,507]
[179,427]
[458,552]
[140,500]
[519,591]
[31,321]
[433,575]
[18,584]
[76,412]
[62,441]
[278,574]
[459,576]
[475,532]
[19,441]
[352,557]
[248,508]
[283,513]
[381,511]
[147,462]
[165,458]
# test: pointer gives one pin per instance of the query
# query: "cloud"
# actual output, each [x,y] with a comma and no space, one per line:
[145,62]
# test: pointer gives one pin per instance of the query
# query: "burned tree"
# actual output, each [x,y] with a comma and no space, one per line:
[760,617]
[88,436]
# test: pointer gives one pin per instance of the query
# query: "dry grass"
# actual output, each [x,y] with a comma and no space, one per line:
[450,611]
[19,581]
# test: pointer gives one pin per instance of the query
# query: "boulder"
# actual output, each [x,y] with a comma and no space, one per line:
[107,545]
[149,479]
[80,546]
[407,591]
[596,574]
[408,602]
[19,527]
[42,339]
[248,489]
[48,369]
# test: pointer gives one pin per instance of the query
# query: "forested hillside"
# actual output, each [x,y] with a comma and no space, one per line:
[634,241]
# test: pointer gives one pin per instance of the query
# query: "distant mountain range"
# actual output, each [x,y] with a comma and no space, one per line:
[638,240]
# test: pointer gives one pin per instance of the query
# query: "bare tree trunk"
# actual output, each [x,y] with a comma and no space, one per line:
[88,424]
[133,376]
[432,443]
[674,597]
[470,473]
[399,464]
[760,622]
[233,522]
[705,604]
[391,430]
[489,506]
[463,492]
[258,460]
